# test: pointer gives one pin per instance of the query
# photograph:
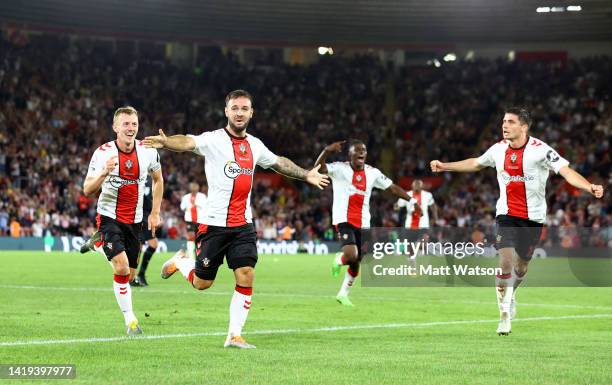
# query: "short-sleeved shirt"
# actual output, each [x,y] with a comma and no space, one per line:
[193,206]
[123,189]
[522,175]
[352,191]
[424,199]
[229,163]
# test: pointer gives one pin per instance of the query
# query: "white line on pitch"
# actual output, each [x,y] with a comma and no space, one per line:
[295,331]
[299,295]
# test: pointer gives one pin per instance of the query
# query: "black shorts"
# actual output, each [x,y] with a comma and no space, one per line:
[118,237]
[349,235]
[521,234]
[237,244]
[192,227]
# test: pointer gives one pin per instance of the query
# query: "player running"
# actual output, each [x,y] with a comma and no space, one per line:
[352,184]
[120,168]
[523,164]
[193,206]
[417,222]
[227,230]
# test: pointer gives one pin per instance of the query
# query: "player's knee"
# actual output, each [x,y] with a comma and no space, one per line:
[521,267]
[245,276]
[153,243]
[121,268]
[202,284]
[351,254]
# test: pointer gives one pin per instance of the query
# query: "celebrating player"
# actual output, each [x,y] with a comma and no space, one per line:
[120,169]
[352,184]
[523,164]
[414,218]
[231,156]
[193,205]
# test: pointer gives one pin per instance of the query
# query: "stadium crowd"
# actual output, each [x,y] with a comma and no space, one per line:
[57,98]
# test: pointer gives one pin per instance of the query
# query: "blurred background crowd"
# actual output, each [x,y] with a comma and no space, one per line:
[57,97]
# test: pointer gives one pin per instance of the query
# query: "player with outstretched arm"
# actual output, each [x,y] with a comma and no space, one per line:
[523,164]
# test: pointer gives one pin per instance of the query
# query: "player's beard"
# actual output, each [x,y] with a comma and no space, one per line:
[238,130]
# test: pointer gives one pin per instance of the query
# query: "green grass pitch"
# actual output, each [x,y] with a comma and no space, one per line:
[59,308]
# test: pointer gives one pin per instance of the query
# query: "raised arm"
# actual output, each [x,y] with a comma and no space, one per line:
[575,179]
[93,183]
[334,147]
[178,143]
[466,165]
[288,168]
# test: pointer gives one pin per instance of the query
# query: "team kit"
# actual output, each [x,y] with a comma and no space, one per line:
[128,175]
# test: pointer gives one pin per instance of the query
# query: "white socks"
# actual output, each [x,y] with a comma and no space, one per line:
[349,279]
[504,290]
[123,294]
[185,266]
[239,309]
[191,249]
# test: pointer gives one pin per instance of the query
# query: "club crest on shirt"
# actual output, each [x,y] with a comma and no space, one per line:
[513,157]
[205,262]
[128,164]
[242,148]
[358,178]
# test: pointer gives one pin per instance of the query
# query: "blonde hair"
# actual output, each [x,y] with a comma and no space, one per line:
[128,110]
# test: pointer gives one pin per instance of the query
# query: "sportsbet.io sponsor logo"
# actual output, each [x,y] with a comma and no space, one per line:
[507,178]
[232,170]
[117,181]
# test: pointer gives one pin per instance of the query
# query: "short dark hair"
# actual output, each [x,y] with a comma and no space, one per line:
[522,113]
[238,94]
[354,142]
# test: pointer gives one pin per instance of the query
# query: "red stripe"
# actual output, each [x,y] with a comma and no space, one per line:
[190,276]
[244,290]
[516,193]
[242,184]
[355,205]
[414,224]
[194,210]
[247,307]
[352,273]
[122,278]
[127,195]
[504,276]
[101,241]
[202,229]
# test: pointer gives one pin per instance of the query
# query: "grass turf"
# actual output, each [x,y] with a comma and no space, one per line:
[391,336]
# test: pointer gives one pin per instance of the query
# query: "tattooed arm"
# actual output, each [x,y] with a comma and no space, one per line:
[286,167]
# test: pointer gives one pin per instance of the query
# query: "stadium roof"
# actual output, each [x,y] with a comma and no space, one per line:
[316,22]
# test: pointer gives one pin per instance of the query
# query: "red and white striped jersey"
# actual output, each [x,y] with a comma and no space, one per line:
[352,192]
[193,206]
[424,200]
[123,189]
[229,163]
[522,175]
